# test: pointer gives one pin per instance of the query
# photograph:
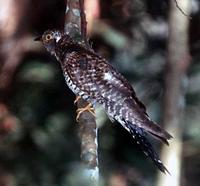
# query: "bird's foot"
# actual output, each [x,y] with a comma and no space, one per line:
[87,108]
[76,100]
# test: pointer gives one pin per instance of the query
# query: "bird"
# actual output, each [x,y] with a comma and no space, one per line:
[92,78]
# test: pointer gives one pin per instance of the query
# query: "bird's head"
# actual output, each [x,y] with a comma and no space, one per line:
[49,39]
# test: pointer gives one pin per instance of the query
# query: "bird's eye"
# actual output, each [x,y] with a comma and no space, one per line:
[48,37]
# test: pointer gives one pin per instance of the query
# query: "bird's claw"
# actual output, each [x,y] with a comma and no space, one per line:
[76,100]
[87,108]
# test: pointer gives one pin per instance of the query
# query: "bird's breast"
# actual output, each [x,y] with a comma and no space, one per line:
[75,89]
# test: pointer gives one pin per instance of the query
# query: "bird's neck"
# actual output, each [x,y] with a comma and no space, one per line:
[66,46]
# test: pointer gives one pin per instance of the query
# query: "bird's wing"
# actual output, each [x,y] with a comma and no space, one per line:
[115,84]
[110,82]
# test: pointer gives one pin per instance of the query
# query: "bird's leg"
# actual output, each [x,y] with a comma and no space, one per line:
[76,100]
[87,108]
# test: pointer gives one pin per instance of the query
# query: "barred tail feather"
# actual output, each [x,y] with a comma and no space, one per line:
[139,135]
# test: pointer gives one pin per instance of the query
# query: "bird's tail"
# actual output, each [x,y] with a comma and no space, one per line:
[157,131]
[139,135]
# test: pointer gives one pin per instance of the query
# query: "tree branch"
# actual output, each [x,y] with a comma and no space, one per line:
[83,21]
[76,22]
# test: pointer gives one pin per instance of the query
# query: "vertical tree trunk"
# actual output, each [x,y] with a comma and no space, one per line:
[76,21]
[178,60]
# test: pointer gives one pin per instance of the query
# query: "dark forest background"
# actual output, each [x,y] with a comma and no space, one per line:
[39,141]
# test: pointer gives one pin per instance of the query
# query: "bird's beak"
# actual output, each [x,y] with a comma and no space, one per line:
[39,38]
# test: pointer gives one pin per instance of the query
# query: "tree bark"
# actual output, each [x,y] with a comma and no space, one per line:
[178,60]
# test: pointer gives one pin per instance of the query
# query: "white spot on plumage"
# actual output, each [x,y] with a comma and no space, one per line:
[73,86]
[58,38]
[108,76]
[159,161]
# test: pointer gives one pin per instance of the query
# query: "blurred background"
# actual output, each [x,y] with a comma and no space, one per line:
[39,141]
